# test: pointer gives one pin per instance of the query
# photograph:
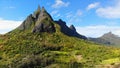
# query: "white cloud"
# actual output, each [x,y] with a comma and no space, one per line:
[54,12]
[10,7]
[58,15]
[8,25]
[98,30]
[79,13]
[73,17]
[110,11]
[60,3]
[93,5]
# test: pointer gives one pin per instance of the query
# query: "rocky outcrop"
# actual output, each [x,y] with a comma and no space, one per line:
[39,21]
[27,23]
[44,22]
[42,27]
[69,31]
[72,28]
[36,13]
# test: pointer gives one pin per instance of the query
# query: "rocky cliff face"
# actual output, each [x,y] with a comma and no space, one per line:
[27,23]
[41,21]
[70,31]
[44,22]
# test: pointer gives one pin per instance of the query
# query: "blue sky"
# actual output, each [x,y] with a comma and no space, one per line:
[91,18]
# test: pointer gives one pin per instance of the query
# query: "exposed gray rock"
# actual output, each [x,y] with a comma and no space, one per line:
[42,27]
[39,21]
[37,12]
[44,22]
[44,15]
[27,23]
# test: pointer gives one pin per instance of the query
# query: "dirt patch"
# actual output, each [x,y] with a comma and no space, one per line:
[78,57]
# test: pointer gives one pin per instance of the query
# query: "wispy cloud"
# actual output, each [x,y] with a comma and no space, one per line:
[69,14]
[74,17]
[60,3]
[110,11]
[54,12]
[98,30]
[10,7]
[93,5]
[79,13]
[8,25]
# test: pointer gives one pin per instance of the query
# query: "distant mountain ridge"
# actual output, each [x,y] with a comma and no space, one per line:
[107,39]
[41,21]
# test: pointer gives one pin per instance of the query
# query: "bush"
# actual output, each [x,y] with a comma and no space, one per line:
[32,61]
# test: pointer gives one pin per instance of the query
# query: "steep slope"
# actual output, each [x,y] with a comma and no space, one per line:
[40,21]
[108,39]
[32,46]
[70,31]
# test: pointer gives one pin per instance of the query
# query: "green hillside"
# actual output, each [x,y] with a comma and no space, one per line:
[46,47]
[24,50]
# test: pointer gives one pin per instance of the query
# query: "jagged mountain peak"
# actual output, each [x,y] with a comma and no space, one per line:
[43,9]
[72,28]
[39,21]
[37,12]
[69,31]
[38,8]
[44,15]
[27,23]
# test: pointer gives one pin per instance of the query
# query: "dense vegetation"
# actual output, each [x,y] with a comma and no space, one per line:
[32,50]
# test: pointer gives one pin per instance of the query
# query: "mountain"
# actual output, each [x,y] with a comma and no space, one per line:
[41,42]
[107,39]
[41,21]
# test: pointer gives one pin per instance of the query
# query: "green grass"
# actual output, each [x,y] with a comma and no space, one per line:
[110,61]
[52,49]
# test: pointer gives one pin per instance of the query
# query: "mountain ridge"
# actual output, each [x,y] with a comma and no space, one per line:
[107,39]
[41,21]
